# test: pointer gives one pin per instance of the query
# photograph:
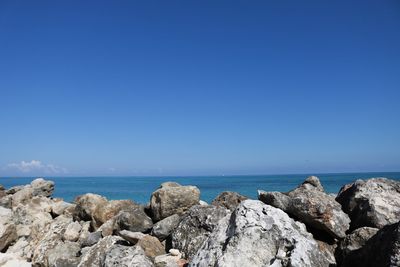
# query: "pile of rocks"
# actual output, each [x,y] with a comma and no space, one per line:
[303,227]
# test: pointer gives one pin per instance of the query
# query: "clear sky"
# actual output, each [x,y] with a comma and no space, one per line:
[199,87]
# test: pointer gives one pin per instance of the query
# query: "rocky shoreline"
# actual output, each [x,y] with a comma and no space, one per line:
[304,227]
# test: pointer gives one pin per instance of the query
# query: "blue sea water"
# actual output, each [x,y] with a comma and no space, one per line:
[139,189]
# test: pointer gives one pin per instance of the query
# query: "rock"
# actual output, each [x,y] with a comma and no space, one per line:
[150,244]
[328,251]
[309,204]
[11,260]
[134,220]
[123,256]
[163,228]
[259,235]
[354,241]
[173,198]
[374,202]
[132,237]
[107,228]
[382,249]
[92,239]
[14,189]
[8,234]
[168,260]
[175,252]
[196,225]
[22,249]
[45,240]
[2,188]
[22,195]
[104,212]
[59,207]
[84,233]
[42,187]
[95,255]
[64,254]
[203,203]
[6,201]
[228,200]
[72,232]
[86,205]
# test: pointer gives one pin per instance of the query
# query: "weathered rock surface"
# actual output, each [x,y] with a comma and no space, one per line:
[64,254]
[42,187]
[95,256]
[374,202]
[164,228]
[309,204]
[8,234]
[259,235]
[135,220]
[104,212]
[354,241]
[228,200]
[72,231]
[11,260]
[382,249]
[195,227]
[123,256]
[87,204]
[150,244]
[173,198]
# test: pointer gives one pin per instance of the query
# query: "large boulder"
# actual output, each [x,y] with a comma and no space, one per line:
[72,231]
[103,213]
[194,228]
[64,254]
[309,204]
[123,256]
[259,235]
[164,228]
[172,198]
[135,220]
[382,249]
[150,244]
[354,241]
[95,255]
[87,204]
[12,260]
[228,200]
[41,187]
[374,202]
[44,240]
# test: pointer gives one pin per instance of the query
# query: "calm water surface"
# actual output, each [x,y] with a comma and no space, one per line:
[139,189]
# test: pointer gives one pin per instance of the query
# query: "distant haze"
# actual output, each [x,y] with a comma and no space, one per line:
[199,87]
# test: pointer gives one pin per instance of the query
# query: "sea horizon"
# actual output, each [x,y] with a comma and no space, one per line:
[139,188]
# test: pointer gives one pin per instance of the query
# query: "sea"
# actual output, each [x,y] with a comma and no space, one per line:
[139,189]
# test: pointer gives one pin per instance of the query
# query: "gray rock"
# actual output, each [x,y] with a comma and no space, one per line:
[72,231]
[41,187]
[150,244]
[173,198]
[95,255]
[259,235]
[382,249]
[228,200]
[6,201]
[14,189]
[354,241]
[92,239]
[48,238]
[196,225]
[132,237]
[309,204]
[374,202]
[163,228]
[135,220]
[123,256]
[64,255]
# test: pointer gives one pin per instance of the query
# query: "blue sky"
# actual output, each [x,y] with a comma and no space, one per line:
[199,87]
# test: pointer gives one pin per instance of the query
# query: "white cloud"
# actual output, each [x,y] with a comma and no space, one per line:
[36,166]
